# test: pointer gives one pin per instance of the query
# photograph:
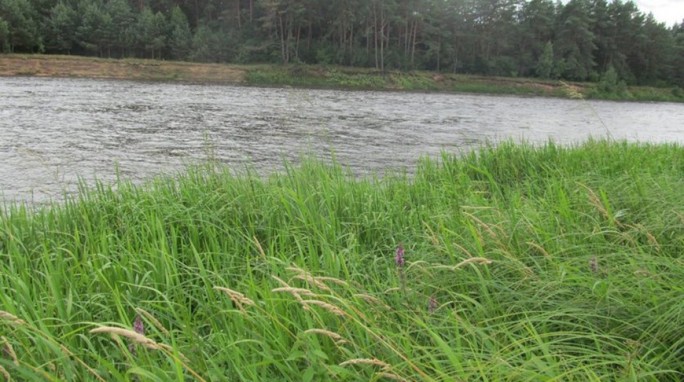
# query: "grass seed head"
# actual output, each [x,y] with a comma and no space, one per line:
[312,281]
[474,260]
[281,282]
[238,298]
[8,351]
[374,301]
[332,280]
[5,374]
[338,339]
[318,281]
[367,361]
[10,318]
[293,291]
[327,306]
[133,336]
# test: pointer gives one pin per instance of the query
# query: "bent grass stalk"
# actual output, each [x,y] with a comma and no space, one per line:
[367,361]
[11,319]
[239,299]
[147,343]
[338,339]
[8,350]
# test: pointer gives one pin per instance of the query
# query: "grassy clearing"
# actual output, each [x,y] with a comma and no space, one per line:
[521,264]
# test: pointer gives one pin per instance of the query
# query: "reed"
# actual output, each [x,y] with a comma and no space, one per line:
[517,262]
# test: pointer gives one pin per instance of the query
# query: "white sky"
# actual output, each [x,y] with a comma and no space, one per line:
[668,11]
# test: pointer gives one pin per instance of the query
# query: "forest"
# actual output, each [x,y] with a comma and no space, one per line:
[580,40]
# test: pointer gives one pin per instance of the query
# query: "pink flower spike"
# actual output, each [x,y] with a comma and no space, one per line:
[432,304]
[138,326]
[399,258]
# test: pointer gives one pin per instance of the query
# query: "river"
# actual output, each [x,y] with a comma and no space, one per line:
[57,131]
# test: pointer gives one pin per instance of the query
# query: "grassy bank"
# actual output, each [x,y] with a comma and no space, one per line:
[520,264]
[319,76]
[371,79]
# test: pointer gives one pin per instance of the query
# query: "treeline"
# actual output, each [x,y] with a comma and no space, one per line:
[581,40]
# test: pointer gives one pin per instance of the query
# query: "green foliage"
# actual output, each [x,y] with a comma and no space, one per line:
[4,36]
[180,40]
[357,80]
[151,32]
[120,33]
[521,263]
[21,20]
[536,30]
[297,75]
[610,83]
[575,41]
[62,26]
[678,92]
[495,37]
[545,64]
[211,46]
[89,33]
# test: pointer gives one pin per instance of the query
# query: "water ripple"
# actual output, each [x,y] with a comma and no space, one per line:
[56,131]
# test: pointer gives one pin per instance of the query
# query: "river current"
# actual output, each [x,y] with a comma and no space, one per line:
[55,132]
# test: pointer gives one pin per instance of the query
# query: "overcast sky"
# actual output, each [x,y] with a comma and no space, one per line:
[668,11]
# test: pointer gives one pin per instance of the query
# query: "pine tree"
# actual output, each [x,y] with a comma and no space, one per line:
[574,44]
[4,36]
[180,39]
[545,64]
[61,25]
[22,23]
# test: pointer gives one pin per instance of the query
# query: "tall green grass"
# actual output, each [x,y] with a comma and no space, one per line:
[522,264]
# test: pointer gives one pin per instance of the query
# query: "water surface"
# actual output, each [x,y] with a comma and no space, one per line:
[55,131]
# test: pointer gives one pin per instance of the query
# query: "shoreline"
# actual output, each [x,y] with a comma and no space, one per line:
[315,77]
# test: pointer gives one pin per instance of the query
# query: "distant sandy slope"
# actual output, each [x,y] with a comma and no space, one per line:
[133,69]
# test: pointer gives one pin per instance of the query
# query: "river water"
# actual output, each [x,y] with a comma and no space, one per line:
[57,131]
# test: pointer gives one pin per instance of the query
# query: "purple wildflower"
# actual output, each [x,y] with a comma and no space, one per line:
[593,264]
[139,328]
[432,304]
[399,258]
[138,325]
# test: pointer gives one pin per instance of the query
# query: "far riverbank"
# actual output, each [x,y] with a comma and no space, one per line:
[318,77]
